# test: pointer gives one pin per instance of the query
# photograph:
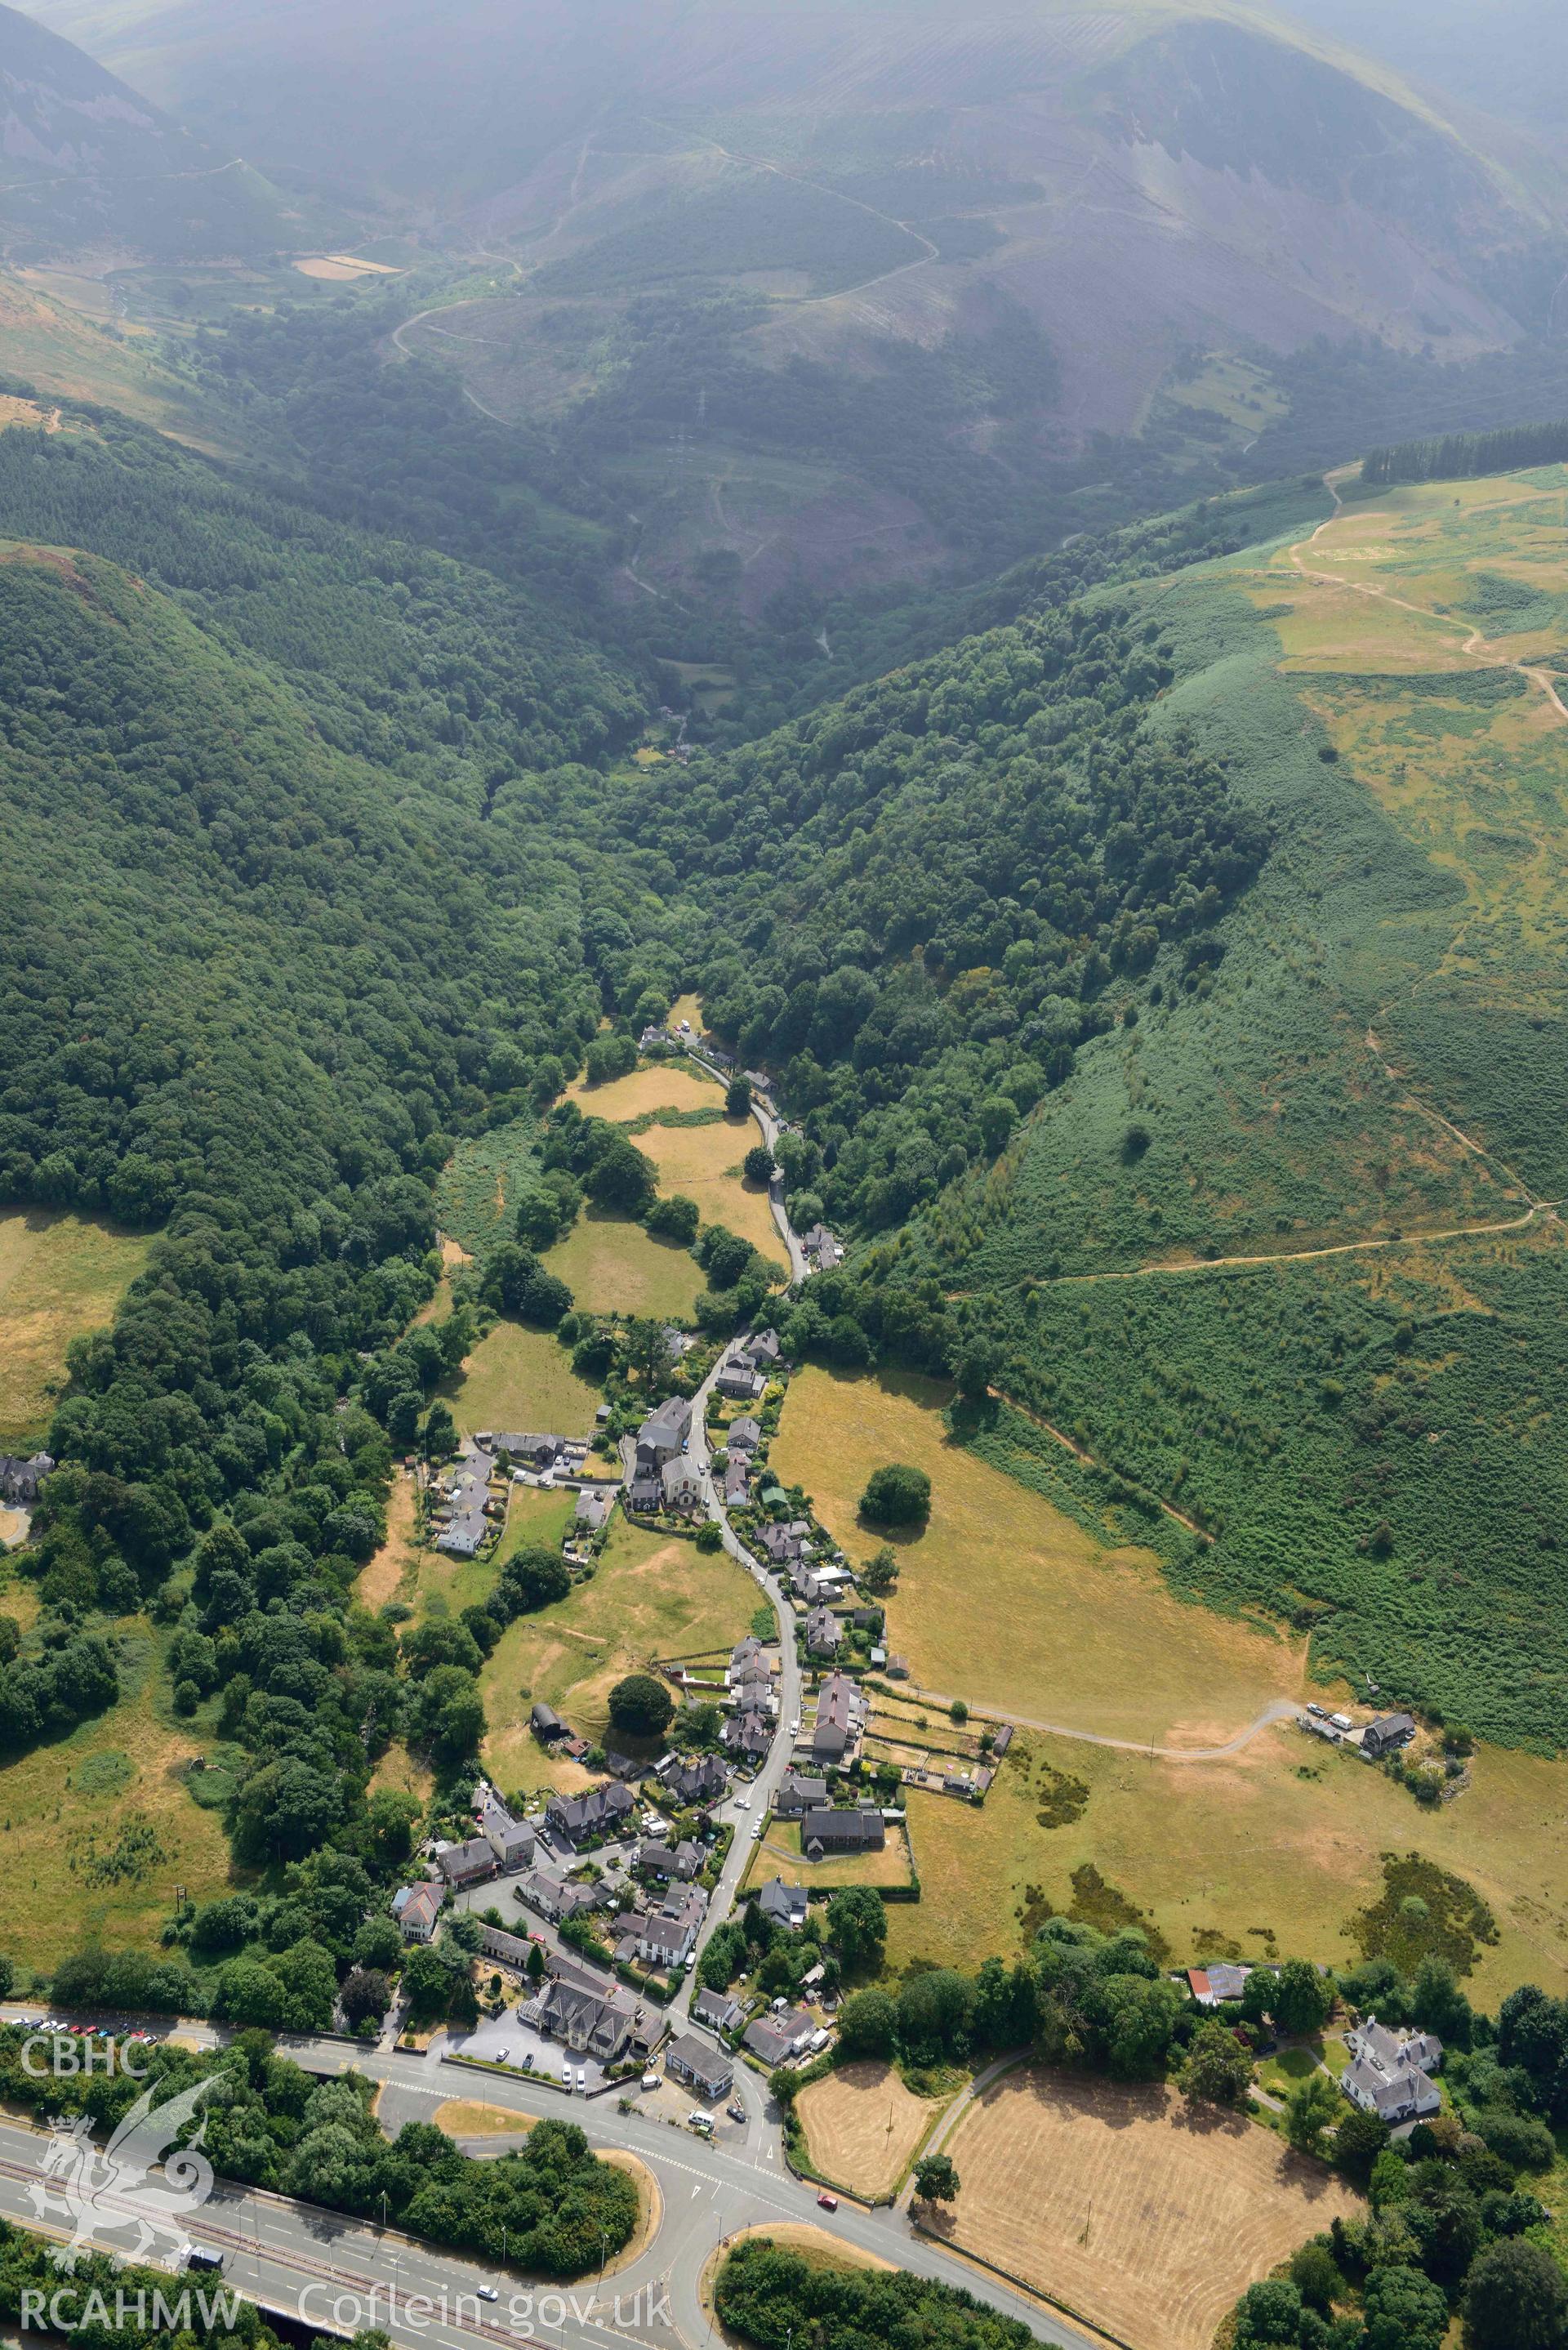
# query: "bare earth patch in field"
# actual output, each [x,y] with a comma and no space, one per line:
[1149,2217]
[863,2127]
[1006,1601]
[60,1276]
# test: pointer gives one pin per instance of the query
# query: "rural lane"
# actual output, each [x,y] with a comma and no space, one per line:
[293,2257]
[1279,1709]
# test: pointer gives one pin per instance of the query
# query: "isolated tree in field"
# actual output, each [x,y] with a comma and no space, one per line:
[622,1178]
[880,1572]
[936,2180]
[641,1706]
[1313,2109]
[1517,2299]
[1218,2070]
[897,1495]
[868,2024]
[858,1924]
[759,1165]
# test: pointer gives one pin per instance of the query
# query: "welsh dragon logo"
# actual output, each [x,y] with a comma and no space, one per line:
[108,2191]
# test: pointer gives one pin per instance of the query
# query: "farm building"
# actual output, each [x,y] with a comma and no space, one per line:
[830,1831]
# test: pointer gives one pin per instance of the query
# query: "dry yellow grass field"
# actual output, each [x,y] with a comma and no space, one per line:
[60,1276]
[654,1086]
[67,1801]
[863,2127]
[397,1561]
[613,1266]
[1147,2217]
[522,1379]
[467,2117]
[647,1599]
[1004,1601]
[704,1162]
[1277,1848]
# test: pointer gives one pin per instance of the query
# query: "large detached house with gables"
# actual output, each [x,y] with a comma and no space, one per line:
[1390,2072]
[20,1480]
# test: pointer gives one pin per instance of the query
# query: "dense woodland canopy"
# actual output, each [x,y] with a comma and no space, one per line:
[934,890]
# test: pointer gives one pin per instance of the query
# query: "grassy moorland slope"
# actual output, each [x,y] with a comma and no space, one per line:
[1364,1089]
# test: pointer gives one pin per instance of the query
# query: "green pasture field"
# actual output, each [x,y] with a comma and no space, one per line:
[1358,1075]
[520,1379]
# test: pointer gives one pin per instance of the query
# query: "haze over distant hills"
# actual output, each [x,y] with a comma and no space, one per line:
[1134,179]
[88,159]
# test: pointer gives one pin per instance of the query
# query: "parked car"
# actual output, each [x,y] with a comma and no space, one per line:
[1314,1707]
[735,2110]
[757,1832]
[691,1960]
[566,2077]
[651,2080]
[581,2077]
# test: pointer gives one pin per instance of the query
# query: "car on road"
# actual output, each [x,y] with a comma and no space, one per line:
[743,1803]
[829,2202]
[794,1727]
[487,2293]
